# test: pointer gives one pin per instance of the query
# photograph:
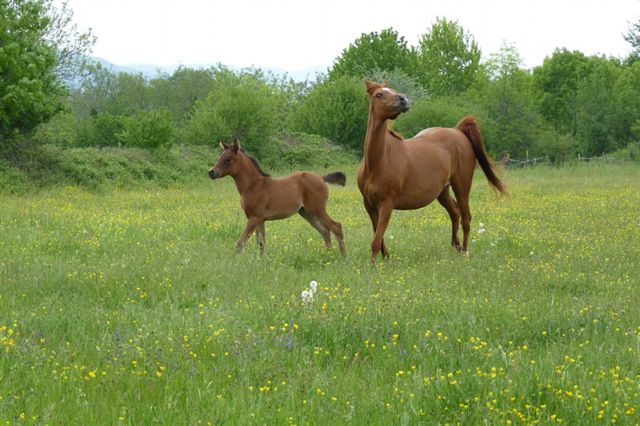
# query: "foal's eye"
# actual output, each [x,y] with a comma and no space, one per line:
[378,95]
[227,160]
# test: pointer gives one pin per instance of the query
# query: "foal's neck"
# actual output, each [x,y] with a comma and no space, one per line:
[374,145]
[249,177]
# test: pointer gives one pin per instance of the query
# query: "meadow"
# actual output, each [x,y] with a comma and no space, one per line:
[131,307]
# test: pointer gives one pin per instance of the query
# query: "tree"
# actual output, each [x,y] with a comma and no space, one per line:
[447,59]
[557,81]
[596,108]
[385,51]
[512,123]
[626,93]
[633,38]
[30,92]
[73,47]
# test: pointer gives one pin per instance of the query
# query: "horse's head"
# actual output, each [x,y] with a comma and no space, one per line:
[226,164]
[385,103]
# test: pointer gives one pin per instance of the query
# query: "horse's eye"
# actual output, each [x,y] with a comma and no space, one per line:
[378,95]
[227,160]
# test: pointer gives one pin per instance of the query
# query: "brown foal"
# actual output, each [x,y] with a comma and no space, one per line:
[265,198]
[409,174]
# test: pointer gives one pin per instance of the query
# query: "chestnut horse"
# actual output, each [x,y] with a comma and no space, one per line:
[265,198]
[409,174]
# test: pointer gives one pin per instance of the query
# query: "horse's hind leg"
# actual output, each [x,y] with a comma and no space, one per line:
[463,202]
[450,204]
[462,196]
[313,221]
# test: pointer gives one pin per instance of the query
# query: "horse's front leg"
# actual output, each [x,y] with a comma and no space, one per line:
[252,223]
[373,215]
[384,216]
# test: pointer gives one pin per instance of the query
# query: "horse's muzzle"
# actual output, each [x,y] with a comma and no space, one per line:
[404,103]
[213,174]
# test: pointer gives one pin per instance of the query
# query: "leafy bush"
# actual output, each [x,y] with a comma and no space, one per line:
[630,152]
[240,106]
[61,130]
[98,168]
[101,130]
[148,129]
[336,110]
[435,112]
[301,150]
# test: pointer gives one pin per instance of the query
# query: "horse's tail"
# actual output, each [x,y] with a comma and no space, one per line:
[337,178]
[470,128]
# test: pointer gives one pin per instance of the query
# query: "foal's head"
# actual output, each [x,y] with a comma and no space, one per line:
[232,162]
[227,163]
[385,103]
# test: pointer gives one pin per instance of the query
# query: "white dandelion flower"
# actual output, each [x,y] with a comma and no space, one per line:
[314,286]
[307,296]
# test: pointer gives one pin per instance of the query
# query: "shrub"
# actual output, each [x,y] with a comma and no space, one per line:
[336,110]
[435,112]
[301,150]
[148,129]
[240,106]
[60,130]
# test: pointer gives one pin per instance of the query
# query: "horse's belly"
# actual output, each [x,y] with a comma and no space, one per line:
[415,201]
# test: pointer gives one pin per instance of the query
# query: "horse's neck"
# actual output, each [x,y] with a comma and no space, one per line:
[374,147]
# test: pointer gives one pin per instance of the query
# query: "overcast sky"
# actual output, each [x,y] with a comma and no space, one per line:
[295,35]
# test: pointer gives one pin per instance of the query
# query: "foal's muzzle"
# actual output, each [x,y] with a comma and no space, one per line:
[213,174]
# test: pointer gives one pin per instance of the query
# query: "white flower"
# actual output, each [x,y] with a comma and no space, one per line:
[481,230]
[307,296]
[314,286]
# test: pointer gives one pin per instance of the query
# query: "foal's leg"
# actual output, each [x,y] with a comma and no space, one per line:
[260,237]
[373,215]
[451,205]
[326,235]
[252,223]
[335,227]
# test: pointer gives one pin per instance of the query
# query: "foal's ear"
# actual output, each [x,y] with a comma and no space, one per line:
[236,145]
[371,86]
[224,146]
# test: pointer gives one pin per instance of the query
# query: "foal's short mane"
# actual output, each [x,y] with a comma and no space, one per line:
[255,163]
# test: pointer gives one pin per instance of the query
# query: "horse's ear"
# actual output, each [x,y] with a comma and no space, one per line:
[224,146]
[371,86]
[236,145]
[386,83]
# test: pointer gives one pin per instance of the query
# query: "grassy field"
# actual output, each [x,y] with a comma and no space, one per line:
[131,307]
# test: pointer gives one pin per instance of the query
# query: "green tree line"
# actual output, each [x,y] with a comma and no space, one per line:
[570,104]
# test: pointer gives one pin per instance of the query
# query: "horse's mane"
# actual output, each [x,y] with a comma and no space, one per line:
[255,163]
[395,134]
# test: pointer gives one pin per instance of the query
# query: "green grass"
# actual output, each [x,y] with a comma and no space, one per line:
[131,307]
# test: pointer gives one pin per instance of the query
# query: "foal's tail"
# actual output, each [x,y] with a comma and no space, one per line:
[470,128]
[337,178]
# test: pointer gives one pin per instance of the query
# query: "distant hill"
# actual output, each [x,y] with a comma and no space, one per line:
[151,70]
